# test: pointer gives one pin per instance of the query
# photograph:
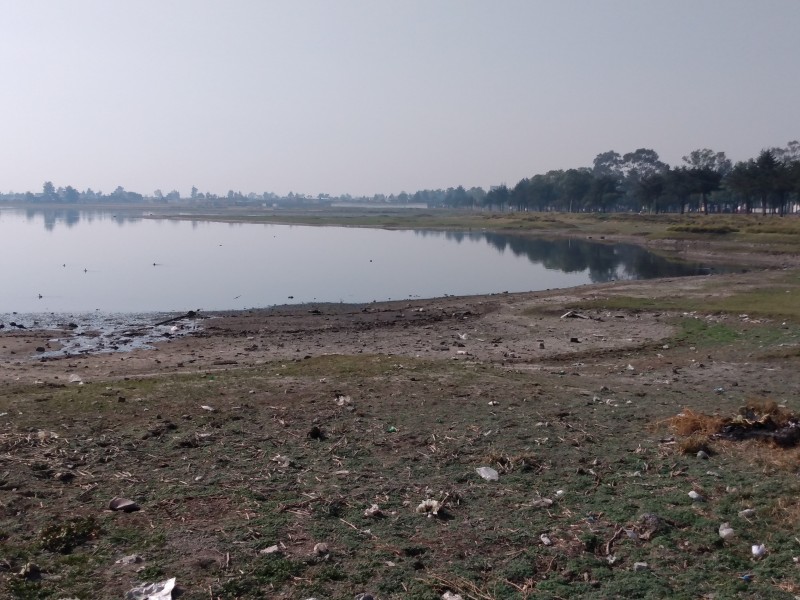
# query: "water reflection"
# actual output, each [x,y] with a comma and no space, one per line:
[69,217]
[602,262]
[120,262]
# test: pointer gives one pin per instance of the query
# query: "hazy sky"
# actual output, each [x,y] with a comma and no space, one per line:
[381,96]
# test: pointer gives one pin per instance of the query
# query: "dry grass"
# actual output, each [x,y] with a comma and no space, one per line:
[694,443]
[691,423]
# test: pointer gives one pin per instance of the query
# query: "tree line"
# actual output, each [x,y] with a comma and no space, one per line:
[706,181]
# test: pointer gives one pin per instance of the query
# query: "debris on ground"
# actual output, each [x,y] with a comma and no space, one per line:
[726,532]
[152,591]
[131,559]
[123,504]
[429,507]
[488,473]
[763,420]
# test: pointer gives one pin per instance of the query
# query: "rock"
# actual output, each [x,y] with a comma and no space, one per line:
[321,549]
[640,566]
[726,532]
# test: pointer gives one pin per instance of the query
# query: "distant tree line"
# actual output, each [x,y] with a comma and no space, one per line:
[706,182]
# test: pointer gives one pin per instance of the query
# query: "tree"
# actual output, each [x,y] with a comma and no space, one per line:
[706,169]
[575,185]
[648,190]
[770,180]
[48,191]
[639,165]
[607,164]
[677,186]
[71,195]
[497,196]
[604,192]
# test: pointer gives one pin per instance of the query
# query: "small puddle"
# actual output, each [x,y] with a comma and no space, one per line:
[92,333]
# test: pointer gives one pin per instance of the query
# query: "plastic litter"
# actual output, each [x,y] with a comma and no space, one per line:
[123,504]
[546,540]
[695,496]
[758,550]
[429,507]
[451,596]
[640,566]
[342,400]
[373,511]
[488,473]
[542,503]
[152,591]
[747,513]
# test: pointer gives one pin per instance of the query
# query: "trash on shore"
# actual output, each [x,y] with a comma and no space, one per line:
[488,473]
[571,314]
[123,504]
[152,591]
[429,507]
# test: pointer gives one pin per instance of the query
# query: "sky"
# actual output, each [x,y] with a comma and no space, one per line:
[381,96]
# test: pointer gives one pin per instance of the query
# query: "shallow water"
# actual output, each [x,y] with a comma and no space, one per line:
[73,261]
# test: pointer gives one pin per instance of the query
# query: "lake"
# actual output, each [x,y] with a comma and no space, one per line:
[74,261]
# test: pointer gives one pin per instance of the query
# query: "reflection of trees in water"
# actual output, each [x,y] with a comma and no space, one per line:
[71,216]
[603,262]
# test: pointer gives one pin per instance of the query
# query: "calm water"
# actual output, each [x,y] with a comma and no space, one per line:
[98,261]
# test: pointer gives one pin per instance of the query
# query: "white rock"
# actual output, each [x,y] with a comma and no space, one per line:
[695,496]
[726,532]
[758,550]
